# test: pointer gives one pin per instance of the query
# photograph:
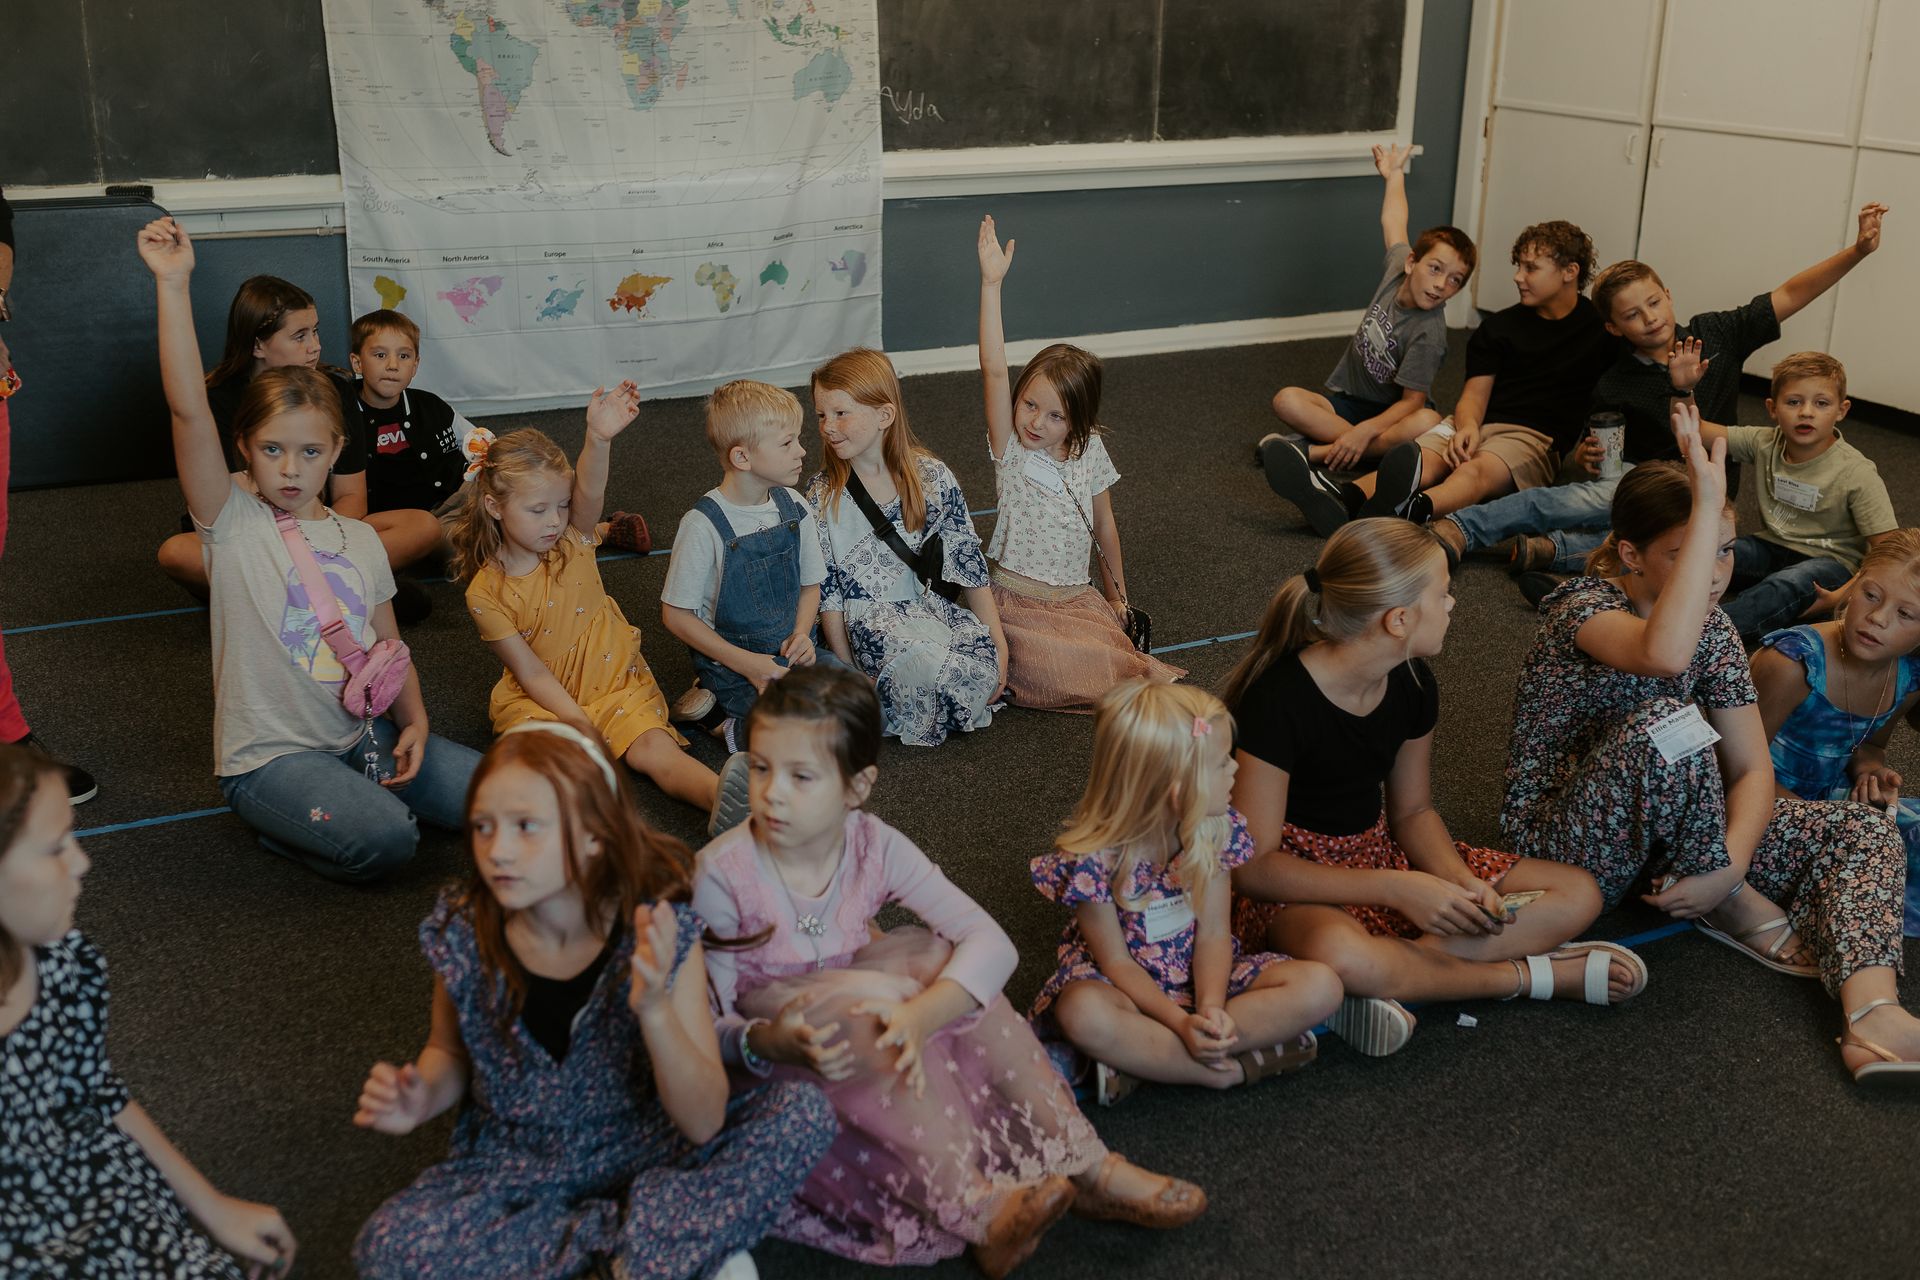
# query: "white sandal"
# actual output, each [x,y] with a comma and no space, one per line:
[1892,1068]
[1537,972]
[1373,1025]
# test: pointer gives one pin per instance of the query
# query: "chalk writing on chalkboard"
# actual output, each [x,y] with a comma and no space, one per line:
[910,108]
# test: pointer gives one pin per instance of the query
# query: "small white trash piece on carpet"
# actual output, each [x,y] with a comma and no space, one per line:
[1468,1020]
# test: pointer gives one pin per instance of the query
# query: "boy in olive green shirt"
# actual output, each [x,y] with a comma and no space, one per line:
[1822,502]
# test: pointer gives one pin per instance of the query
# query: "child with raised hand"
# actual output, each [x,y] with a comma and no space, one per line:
[1639,755]
[1065,642]
[1336,708]
[88,1183]
[1830,693]
[1377,395]
[524,546]
[743,586]
[901,558]
[1152,984]
[335,791]
[571,1026]
[956,1130]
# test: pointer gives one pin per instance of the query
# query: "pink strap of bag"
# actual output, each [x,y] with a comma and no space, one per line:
[375,676]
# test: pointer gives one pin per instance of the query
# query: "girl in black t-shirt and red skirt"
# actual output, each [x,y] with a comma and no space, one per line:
[1334,703]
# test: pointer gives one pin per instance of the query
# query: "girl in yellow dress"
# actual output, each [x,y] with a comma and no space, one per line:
[524,546]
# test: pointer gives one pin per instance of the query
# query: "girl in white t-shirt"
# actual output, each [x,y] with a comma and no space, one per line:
[328,789]
[1066,646]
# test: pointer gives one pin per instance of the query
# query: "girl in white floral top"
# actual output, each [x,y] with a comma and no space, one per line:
[1066,644]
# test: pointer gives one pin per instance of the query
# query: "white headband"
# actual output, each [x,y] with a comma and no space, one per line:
[576,737]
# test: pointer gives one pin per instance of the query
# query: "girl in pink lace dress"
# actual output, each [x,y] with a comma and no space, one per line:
[955,1129]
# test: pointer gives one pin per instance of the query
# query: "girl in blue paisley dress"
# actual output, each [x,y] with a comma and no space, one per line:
[1639,754]
[939,663]
[1831,692]
[571,1024]
[1152,984]
[89,1186]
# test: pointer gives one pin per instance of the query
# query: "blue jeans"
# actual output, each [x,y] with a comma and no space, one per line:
[321,810]
[1564,511]
[1776,584]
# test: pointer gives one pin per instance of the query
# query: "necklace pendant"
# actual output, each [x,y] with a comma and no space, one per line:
[811,925]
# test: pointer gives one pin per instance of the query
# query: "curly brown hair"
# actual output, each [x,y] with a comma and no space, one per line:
[1565,243]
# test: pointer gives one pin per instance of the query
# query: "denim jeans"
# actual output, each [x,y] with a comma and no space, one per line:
[1565,511]
[321,810]
[1775,585]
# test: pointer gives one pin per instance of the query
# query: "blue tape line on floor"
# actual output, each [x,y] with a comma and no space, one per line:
[150,822]
[1195,644]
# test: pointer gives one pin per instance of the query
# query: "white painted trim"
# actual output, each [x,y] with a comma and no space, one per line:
[1470,170]
[230,206]
[1136,342]
[1097,166]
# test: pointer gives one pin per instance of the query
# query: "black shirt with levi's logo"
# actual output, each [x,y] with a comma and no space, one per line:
[413,452]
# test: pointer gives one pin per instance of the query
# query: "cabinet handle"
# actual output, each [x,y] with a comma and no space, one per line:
[1633,144]
[1659,145]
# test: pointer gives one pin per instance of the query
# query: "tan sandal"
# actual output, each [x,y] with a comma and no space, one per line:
[1279,1059]
[1175,1204]
[1022,1220]
[1892,1068]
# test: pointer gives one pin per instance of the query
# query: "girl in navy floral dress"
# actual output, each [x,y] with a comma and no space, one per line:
[89,1186]
[570,1016]
[1152,984]
[1831,692]
[1634,675]
[938,663]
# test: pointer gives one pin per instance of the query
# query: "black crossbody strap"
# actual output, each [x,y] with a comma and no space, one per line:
[925,563]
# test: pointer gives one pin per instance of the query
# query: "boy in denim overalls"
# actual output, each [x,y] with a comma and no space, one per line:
[743,586]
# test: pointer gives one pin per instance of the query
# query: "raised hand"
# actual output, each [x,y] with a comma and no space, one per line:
[994,261]
[165,248]
[1706,466]
[1685,365]
[1391,159]
[393,1100]
[1870,215]
[610,412]
[655,934]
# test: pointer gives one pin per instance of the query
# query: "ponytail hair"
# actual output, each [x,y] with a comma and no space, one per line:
[868,377]
[1652,498]
[1149,762]
[510,462]
[258,307]
[1367,567]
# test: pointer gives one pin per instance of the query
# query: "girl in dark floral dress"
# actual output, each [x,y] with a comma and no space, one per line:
[1152,984]
[1634,675]
[1336,709]
[89,1186]
[570,1017]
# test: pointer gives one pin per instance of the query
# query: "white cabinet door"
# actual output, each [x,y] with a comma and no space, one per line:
[1783,68]
[1541,167]
[1557,55]
[1892,114]
[1873,318]
[1727,217]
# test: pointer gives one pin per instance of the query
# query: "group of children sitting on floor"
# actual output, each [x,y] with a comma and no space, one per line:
[659,1059]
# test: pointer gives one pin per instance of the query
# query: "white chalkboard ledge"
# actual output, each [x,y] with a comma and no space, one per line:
[1092,166]
[233,206]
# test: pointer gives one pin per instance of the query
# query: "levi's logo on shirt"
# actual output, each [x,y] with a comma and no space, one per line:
[391,439]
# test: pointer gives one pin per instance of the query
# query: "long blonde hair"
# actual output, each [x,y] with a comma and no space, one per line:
[511,461]
[1149,764]
[1898,552]
[1366,568]
[868,377]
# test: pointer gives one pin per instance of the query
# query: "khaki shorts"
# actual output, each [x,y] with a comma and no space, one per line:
[1527,453]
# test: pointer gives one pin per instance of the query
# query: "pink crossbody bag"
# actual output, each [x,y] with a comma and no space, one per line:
[375,676]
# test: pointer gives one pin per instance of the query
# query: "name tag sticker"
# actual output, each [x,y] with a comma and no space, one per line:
[1042,472]
[1167,917]
[1796,493]
[1681,734]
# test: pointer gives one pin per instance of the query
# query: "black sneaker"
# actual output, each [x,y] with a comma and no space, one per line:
[1291,475]
[1396,483]
[1535,585]
[1259,451]
[81,786]
[410,602]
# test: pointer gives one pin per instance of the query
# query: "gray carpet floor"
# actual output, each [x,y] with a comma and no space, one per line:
[1706,1128]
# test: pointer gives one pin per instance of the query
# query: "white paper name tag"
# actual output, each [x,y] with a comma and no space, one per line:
[1166,917]
[1681,734]
[1796,494]
[1444,431]
[1043,473]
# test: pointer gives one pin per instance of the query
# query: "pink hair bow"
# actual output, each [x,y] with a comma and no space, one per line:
[1202,726]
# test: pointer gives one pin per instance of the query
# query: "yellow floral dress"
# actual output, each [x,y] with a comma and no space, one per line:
[563,612]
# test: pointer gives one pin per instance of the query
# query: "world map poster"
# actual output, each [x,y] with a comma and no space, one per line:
[565,193]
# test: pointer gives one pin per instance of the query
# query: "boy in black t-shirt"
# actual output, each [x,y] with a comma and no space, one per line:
[413,437]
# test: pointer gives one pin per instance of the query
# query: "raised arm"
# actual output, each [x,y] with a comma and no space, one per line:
[608,414]
[1391,161]
[1803,288]
[995,385]
[202,465]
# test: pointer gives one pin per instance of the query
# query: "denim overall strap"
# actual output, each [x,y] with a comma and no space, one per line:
[759,595]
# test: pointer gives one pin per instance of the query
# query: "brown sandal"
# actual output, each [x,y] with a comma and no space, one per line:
[1022,1220]
[1175,1204]
[1279,1059]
